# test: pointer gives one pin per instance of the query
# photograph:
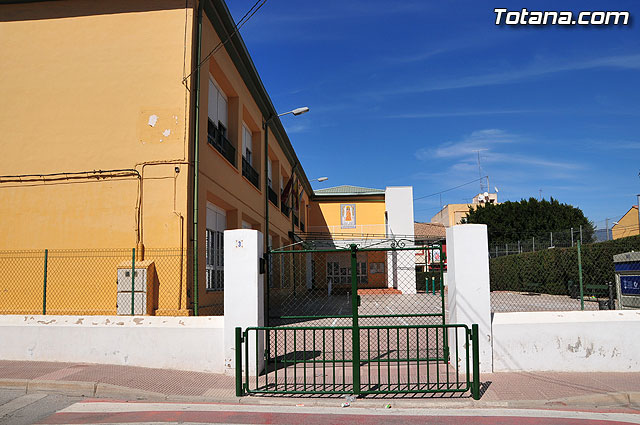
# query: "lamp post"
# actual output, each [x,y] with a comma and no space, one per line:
[638,195]
[265,126]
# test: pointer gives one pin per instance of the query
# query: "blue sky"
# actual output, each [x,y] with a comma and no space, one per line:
[406,92]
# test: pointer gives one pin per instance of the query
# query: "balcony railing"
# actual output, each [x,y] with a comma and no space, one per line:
[285,209]
[302,225]
[273,196]
[250,173]
[221,143]
[295,219]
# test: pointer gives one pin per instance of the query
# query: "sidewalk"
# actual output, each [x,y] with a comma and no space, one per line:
[520,389]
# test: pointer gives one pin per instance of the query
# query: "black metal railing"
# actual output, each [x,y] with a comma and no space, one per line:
[302,225]
[221,143]
[273,196]
[250,173]
[295,219]
[285,209]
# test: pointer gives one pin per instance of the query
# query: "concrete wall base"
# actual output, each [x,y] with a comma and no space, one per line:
[567,341]
[181,343]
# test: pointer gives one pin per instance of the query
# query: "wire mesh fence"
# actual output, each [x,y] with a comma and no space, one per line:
[93,282]
[315,287]
[581,277]
[566,238]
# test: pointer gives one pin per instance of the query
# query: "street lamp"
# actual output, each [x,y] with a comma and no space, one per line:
[297,111]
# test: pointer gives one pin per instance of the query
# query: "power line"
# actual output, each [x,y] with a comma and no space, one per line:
[450,189]
[252,11]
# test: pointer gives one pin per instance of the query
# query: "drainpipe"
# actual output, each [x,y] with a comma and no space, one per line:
[265,126]
[196,160]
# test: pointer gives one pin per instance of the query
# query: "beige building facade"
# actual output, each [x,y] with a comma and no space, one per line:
[121,130]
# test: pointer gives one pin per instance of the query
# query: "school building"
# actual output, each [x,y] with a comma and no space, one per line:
[137,132]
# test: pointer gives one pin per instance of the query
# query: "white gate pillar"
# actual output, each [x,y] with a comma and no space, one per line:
[243,294]
[468,289]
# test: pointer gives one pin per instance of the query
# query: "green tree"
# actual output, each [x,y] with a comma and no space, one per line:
[510,222]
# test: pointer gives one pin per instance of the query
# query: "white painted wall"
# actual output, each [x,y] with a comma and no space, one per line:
[569,341]
[183,343]
[400,265]
[468,288]
[399,206]
[243,293]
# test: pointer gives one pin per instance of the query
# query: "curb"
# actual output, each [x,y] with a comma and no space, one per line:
[103,390]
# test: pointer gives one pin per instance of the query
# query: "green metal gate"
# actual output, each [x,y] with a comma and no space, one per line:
[357,320]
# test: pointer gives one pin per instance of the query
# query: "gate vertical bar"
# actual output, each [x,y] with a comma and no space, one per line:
[44,288]
[355,333]
[475,386]
[445,336]
[239,392]
[580,275]
[133,274]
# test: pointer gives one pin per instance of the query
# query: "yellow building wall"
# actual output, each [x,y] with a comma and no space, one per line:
[452,214]
[99,86]
[370,219]
[221,183]
[627,225]
[80,82]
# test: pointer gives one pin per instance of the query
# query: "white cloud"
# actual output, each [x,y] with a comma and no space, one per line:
[537,69]
[464,113]
[478,140]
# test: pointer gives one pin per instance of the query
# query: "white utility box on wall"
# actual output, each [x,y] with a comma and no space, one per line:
[142,286]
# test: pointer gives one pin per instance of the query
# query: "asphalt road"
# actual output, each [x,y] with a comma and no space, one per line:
[116,412]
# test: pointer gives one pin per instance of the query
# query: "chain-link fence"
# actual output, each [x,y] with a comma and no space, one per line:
[581,277]
[566,238]
[94,282]
[315,287]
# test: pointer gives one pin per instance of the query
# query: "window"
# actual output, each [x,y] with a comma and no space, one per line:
[247,152]
[247,144]
[216,224]
[269,172]
[333,272]
[362,273]
[217,106]
[375,268]
[217,124]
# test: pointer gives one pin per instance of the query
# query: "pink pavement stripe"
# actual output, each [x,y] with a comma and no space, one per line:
[504,386]
[62,373]
[306,419]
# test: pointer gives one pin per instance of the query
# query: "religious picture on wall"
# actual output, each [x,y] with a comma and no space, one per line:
[348,216]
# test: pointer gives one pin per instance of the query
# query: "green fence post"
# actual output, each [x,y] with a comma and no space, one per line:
[445,333]
[239,392]
[44,288]
[475,385]
[580,275]
[355,332]
[133,274]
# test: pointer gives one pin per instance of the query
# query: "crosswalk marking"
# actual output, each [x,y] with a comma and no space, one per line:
[130,407]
